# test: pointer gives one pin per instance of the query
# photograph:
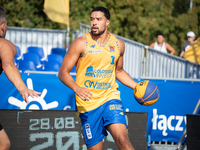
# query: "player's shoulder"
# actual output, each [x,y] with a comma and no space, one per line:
[78,45]
[2,40]
[80,40]
[121,45]
[121,42]
[7,48]
[6,43]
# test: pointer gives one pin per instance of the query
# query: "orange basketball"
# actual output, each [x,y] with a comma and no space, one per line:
[146,93]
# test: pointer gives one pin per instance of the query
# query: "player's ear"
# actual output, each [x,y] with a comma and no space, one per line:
[2,27]
[107,22]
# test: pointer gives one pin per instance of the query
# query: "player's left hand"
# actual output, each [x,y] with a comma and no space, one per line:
[25,92]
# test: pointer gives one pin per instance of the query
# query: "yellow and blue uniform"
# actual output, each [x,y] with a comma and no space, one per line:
[96,71]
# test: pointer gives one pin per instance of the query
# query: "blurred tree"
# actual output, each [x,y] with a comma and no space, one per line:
[133,19]
[27,13]
[142,20]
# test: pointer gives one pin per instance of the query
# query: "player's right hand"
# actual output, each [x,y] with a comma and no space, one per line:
[25,92]
[84,93]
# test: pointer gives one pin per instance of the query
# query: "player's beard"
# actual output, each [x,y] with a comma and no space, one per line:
[100,32]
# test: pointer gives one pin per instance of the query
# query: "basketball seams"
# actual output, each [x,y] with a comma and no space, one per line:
[151,93]
[142,90]
[148,103]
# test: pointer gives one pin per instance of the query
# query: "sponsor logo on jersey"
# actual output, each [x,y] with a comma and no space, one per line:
[95,51]
[98,73]
[115,93]
[93,46]
[88,131]
[121,113]
[90,72]
[116,107]
[112,107]
[112,49]
[97,85]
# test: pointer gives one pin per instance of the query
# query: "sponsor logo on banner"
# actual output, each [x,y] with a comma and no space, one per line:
[164,123]
[36,103]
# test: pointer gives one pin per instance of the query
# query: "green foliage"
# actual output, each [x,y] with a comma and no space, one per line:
[27,13]
[139,20]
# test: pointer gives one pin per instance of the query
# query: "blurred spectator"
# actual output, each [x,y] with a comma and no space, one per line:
[160,45]
[186,45]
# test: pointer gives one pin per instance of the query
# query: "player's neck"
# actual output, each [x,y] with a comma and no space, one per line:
[101,39]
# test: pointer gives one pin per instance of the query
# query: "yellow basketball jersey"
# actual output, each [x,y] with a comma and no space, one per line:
[96,71]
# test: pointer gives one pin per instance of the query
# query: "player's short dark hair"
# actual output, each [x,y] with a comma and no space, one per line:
[160,33]
[2,15]
[103,10]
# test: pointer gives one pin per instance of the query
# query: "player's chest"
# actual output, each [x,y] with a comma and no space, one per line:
[102,54]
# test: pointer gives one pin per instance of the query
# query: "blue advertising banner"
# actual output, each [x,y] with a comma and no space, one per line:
[166,118]
[54,94]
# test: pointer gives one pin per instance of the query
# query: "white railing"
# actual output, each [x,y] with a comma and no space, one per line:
[45,38]
[164,65]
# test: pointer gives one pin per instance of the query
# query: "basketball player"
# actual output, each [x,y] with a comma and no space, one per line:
[7,54]
[160,45]
[98,56]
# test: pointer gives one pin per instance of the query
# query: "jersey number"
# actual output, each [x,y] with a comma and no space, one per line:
[113,60]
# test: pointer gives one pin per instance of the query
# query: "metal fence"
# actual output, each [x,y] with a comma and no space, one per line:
[164,65]
[45,38]
[141,61]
